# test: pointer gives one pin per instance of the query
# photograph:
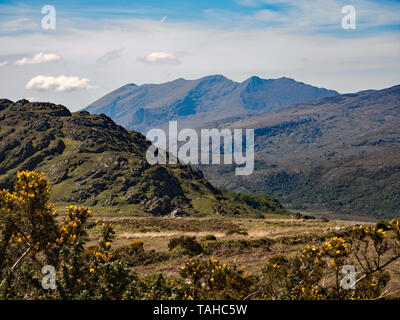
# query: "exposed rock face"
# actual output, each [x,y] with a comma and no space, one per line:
[91,160]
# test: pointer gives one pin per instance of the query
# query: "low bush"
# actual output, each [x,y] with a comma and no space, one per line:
[317,273]
[209,237]
[134,254]
[212,279]
[244,244]
[187,245]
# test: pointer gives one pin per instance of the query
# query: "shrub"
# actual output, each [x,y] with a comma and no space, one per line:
[31,237]
[252,243]
[383,224]
[209,237]
[212,279]
[134,254]
[157,287]
[316,272]
[188,245]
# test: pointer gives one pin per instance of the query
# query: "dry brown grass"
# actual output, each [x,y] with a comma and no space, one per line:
[288,237]
[156,233]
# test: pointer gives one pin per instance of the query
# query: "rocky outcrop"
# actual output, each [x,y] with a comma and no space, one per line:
[91,160]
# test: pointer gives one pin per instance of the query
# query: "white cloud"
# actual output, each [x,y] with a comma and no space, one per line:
[159,58]
[2,64]
[344,63]
[61,83]
[38,58]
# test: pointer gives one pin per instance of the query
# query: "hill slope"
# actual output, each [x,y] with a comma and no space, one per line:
[339,153]
[91,160]
[195,102]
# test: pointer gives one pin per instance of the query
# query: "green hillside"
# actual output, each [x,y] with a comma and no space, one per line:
[338,154]
[91,160]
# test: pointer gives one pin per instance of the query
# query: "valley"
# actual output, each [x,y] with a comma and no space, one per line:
[315,149]
[337,154]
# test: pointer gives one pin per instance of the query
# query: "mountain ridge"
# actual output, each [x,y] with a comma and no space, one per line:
[339,153]
[194,102]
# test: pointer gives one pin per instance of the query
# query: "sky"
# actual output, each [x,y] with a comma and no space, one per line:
[94,47]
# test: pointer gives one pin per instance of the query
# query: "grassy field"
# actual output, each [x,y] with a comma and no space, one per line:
[250,242]
[241,242]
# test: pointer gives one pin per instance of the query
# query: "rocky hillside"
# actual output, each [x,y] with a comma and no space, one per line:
[91,160]
[340,154]
[195,102]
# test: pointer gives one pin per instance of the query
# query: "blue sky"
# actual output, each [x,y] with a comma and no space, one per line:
[375,16]
[98,46]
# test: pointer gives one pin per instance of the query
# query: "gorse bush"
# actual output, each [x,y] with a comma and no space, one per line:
[211,279]
[318,273]
[157,287]
[45,254]
[32,237]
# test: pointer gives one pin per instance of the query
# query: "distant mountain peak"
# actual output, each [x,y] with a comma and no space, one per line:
[129,85]
[254,80]
[215,77]
[288,79]
[197,102]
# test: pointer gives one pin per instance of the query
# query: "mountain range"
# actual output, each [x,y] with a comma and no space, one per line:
[195,102]
[315,149]
[340,154]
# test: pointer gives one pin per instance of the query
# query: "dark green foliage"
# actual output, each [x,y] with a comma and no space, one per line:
[244,244]
[209,237]
[383,224]
[134,254]
[189,245]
